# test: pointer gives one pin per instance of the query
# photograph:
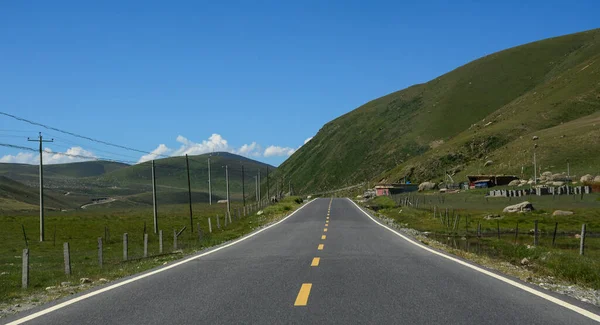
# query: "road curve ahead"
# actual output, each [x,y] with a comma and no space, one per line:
[329,263]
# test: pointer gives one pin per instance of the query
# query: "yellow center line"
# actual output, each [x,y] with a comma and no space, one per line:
[302,298]
[320,247]
[315,261]
[325,230]
[326,225]
[323,237]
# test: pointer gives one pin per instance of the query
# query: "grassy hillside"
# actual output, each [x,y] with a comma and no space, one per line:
[16,196]
[69,186]
[171,174]
[78,169]
[488,109]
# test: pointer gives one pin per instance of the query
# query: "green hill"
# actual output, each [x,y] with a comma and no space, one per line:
[72,185]
[18,196]
[171,174]
[77,169]
[488,109]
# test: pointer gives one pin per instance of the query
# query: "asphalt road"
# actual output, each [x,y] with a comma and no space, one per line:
[365,274]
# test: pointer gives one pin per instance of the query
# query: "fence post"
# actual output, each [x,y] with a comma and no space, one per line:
[535,233]
[209,226]
[498,227]
[218,222]
[174,239]
[67,255]
[582,242]
[554,236]
[145,245]
[160,242]
[517,232]
[125,247]
[25,275]
[479,229]
[100,257]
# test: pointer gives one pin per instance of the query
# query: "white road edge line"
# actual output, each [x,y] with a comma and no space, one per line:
[540,294]
[120,284]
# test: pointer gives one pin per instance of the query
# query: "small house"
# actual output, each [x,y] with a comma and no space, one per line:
[391,189]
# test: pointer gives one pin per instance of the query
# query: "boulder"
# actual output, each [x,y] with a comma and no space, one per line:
[525,261]
[85,280]
[427,186]
[558,183]
[492,217]
[259,213]
[488,163]
[586,178]
[547,174]
[559,178]
[529,182]
[520,207]
[515,182]
[597,179]
[535,137]
[561,213]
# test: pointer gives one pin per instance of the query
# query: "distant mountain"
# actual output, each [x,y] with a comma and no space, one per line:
[172,173]
[479,118]
[69,186]
[18,196]
[26,172]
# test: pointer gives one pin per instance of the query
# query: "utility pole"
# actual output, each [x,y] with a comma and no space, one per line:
[256,187]
[568,171]
[209,186]
[187,165]
[259,183]
[154,199]
[534,168]
[227,186]
[41,140]
[243,187]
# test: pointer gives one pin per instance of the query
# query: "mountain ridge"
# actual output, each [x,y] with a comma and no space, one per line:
[444,124]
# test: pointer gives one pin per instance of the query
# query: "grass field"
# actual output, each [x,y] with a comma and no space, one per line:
[561,260]
[81,229]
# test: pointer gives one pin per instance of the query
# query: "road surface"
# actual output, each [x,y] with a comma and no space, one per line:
[364,274]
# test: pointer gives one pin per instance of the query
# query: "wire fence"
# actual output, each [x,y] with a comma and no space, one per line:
[461,227]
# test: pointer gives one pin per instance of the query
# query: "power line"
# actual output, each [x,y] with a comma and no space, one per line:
[79,136]
[50,152]
[88,147]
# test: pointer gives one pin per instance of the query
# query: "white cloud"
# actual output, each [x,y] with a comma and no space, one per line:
[20,158]
[73,154]
[214,143]
[252,149]
[158,152]
[217,143]
[278,151]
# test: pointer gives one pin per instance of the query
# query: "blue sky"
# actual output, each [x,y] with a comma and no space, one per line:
[190,76]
